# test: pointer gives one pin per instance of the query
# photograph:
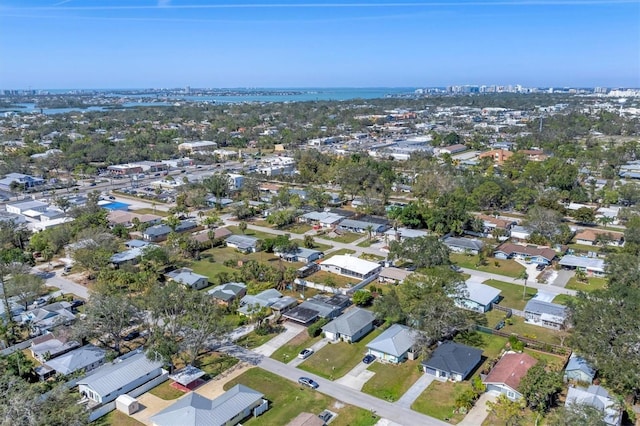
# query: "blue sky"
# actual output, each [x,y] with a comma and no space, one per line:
[205,43]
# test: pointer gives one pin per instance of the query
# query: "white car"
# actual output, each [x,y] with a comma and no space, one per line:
[305,353]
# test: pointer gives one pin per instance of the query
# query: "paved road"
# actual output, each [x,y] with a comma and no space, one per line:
[530,283]
[53,279]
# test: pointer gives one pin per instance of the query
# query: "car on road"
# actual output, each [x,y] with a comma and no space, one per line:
[369,358]
[308,382]
[305,353]
[540,267]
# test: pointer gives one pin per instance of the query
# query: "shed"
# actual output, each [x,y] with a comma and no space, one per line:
[127,404]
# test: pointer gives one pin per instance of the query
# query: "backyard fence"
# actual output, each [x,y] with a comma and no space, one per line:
[529,342]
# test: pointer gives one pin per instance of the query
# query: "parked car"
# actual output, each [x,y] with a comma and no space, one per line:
[131,336]
[369,358]
[305,353]
[308,382]
[76,303]
[540,267]
[499,325]
[325,416]
[456,268]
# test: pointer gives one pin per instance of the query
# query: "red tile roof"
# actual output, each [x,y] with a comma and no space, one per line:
[511,368]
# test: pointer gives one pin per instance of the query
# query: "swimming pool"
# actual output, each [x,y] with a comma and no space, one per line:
[116,205]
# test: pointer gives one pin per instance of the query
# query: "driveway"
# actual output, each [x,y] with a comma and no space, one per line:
[563,278]
[357,377]
[292,330]
[316,347]
[479,411]
[415,390]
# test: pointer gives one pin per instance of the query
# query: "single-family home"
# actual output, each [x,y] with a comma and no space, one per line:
[520,233]
[591,237]
[533,254]
[393,275]
[119,377]
[222,202]
[491,223]
[534,154]
[229,409]
[364,224]
[579,370]
[156,233]
[47,317]
[318,306]
[205,237]
[48,346]
[350,266]
[452,361]
[128,219]
[403,234]
[24,181]
[23,206]
[264,299]
[243,243]
[301,254]
[596,397]
[86,358]
[463,245]
[351,326]
[545,314]
[187,277]
[322,219]
[131,256]
[395,344]
[476,296]
[228,292]
[498,156]
[591,265]
[506,375]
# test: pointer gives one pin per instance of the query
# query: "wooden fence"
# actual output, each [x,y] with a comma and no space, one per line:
[530,343]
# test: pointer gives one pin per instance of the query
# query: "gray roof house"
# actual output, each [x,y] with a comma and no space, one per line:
[596,397]
[302,254]
[156,233]
[243,243]
[48,346]
[187,277]
[263,299]
[228,292]
[545,314]
[128,256]
[85,358]
[579,370]
[318,306]
[452,361]
[395,344]
[590,265]
[477,296]
[463,245]
[121,376]
[378,225]
[350,326]
[228,409]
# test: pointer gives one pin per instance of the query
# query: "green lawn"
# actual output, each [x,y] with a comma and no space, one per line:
[346,238]
[116,418]
[258,234]
[332,280]
[215,363]
[584,249]
[438,400]
[337,359]
[367,242]
[298,228]
[392,381]
[523,329]
[341,251]
[555,362]
[512,294]
[288,399]
[563,299]
[322,247]
[253,340]
[509,268]
[293,347]
[371,257]
[151,211]
[166,391]
[492,345]
[593,283]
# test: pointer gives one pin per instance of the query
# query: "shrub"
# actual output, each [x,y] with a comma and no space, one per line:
[315,329]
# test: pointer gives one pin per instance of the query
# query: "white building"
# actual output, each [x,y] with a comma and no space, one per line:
[350,266]
[197,146]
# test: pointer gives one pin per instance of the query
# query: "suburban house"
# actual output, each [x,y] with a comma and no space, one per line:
[47,317]
[520,233]
[452,361]
[156,233]
[596,397]
[25,181]
[393,275]
[264,299]
[591,237]
[243,243]
[85,359]
[403,234]
[591,265]
[506,375]
[23,207]
[477,296]
[463,245]
[228,292]
[187,277]
[498,156]
[350,326]
[228,409]
[533,254]
[318,306]
[545,314]
[395,344]
[350,266]
[301,254]
[130,256]
[222,202]
[579,370]
[491,223]
[48,346]
[321,219]
[376,225]
[128,219]
[121,376]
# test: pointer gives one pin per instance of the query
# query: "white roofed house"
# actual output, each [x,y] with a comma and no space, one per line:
[86,358]
[187,277]
[402,234]
[122,376]
[463,245]
[23,206]
[322,219]
[598,398]
[476,296]
[592,266]
[243,243]
[546,314]
[350,266]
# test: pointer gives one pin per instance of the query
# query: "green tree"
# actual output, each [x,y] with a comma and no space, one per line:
[309,241]
[576,414]
[362,297]
[584,215]
[242,226]
[25,287]
[540,387]
[218,185]
[510,412]
[424,252]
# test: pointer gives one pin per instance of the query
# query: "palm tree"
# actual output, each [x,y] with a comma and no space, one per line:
[524,276]
[369,230]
